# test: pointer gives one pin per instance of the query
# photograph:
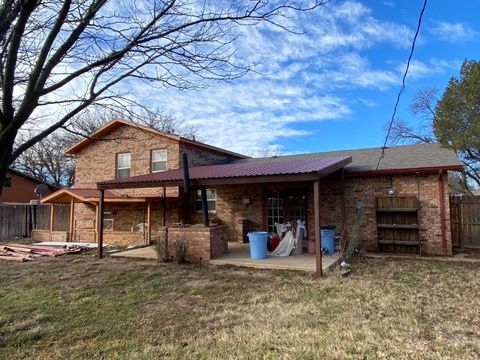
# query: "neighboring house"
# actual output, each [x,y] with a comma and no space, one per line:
[139,172]
[20,188]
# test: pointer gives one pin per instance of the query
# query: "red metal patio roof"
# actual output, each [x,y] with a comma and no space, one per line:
[269,167]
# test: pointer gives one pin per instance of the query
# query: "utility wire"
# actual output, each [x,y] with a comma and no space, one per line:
[402,88]
[353,240]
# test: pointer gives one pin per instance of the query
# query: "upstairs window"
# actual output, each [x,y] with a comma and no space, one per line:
[211,201]
[123,165]
[159,160]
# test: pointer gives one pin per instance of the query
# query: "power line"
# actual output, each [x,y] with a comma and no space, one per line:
[353,240]
[402,88]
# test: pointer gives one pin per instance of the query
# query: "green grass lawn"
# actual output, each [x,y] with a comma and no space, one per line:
[77,307]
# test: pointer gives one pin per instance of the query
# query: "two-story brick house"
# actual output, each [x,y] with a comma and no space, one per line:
[120,150]
[139,172]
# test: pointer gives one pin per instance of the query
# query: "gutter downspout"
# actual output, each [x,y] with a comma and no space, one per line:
[441,194]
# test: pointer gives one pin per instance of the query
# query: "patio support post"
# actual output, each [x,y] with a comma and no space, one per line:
[149,223]
[164,223]
[203,192]
[72,216]
[316,207]
[52,214]
[343,210]
[100,223]
[343,205]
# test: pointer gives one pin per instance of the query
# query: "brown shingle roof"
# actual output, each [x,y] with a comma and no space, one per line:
[407,157]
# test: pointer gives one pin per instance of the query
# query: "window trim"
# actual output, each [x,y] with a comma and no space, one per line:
[195,200]
[117,155]
[151,160]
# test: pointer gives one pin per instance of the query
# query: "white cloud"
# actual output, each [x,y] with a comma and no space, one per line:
[299,78]
[419,69]
[248,116]
[451,32]
[350,70]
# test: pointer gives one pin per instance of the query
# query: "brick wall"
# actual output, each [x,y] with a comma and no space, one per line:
[202,243]
[218,241]
[84,216]
[231,211]
[97,162]
[199,156]
[366,189]
[123,238]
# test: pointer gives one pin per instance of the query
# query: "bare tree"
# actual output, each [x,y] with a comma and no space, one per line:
[167,122]
[92,119]
[424,107]
[46,160]
[59,57]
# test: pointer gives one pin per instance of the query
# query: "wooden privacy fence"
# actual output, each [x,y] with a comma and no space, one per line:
[465,220]
[18,220]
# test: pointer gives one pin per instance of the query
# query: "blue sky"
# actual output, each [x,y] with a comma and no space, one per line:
[333,87]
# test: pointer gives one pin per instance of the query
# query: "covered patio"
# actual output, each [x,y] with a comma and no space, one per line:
[255,176]
[84,214]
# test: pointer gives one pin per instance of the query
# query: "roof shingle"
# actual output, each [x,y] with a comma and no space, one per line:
[417,156]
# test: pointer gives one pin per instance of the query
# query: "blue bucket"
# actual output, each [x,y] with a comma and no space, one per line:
[328,239]
[258,244]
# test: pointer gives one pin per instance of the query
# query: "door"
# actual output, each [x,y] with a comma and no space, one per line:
[285,205]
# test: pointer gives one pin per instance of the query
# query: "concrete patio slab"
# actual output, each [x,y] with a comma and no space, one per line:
[148,252]
[239,255]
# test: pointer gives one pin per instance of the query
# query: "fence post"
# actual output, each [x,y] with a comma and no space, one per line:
[460,225]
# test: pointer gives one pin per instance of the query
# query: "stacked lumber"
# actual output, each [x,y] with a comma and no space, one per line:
[21,252]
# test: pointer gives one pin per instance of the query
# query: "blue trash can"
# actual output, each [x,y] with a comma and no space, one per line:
[258,244]
[328,238]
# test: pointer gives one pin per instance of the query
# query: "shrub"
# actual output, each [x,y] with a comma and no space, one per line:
[162,250]
[180,250]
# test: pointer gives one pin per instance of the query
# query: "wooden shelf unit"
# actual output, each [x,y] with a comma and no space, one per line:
[398,225]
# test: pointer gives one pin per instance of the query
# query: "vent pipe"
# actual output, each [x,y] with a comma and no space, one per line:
[186,175]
